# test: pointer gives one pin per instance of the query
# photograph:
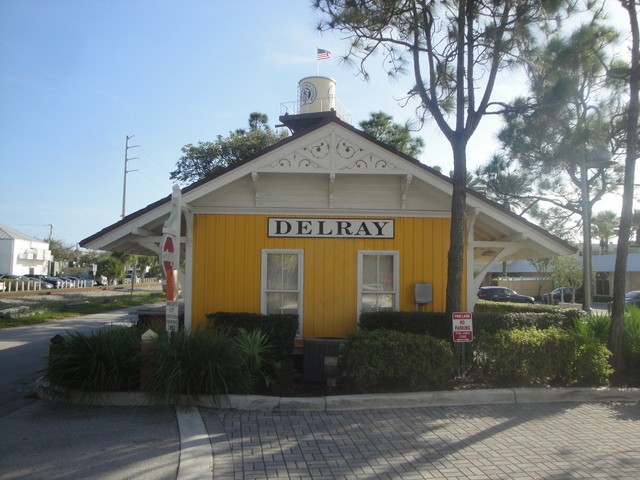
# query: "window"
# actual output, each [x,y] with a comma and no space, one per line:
[377,281]
[282,283]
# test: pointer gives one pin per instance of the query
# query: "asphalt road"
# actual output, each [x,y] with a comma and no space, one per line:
[48,440]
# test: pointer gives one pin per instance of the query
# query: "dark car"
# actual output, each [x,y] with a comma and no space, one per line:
[56,282]
[26,280]
[563,294]
[632,298]
[503,294]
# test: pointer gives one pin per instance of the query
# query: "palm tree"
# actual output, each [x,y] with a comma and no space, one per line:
[603,226]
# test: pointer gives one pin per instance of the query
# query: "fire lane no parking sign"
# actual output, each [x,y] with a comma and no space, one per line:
[462,326]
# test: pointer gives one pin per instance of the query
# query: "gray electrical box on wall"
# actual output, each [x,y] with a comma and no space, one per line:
[423,293]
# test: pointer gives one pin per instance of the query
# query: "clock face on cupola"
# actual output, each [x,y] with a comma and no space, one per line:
[307,93]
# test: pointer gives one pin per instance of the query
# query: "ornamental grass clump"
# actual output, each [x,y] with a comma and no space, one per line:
[107,360]
[197,363]
[594,325]
[631,341]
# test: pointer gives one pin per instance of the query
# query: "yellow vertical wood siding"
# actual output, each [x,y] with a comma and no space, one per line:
[227,254]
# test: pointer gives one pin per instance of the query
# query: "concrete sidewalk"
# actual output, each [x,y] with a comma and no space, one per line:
[278,437]
[505,441]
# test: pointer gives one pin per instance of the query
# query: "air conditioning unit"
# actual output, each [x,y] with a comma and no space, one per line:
[317,352]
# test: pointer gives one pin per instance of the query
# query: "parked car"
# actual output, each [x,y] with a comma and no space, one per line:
[632,298]
[79,280]
[503,294]
[55,281]
[8,277]
[70,282]
[564,294]
[25,279]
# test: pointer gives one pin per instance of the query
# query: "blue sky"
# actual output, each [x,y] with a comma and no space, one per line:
[78,76]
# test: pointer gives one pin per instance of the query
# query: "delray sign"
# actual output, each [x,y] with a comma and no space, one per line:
[331,227]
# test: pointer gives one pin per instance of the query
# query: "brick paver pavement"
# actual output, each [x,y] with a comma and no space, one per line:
[545,441]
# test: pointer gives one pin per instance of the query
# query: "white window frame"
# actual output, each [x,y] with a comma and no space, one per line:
[300,290]
[396,276]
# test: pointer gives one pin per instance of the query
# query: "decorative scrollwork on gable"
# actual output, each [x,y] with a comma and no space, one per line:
[282,162]
[369,163]
[320,150]
[346,151]
[306,163]
[295,162]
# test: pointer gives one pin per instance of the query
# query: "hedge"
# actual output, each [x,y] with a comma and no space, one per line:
[280,329]
[435,324]
[438,324]
[386,360]
[530,355]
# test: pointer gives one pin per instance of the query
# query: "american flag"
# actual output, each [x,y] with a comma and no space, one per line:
[323,54]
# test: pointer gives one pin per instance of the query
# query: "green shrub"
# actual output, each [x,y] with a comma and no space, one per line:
[530,355]
[254,352]
[511,307]
[382,360]
[197,363]
[598,326]
[279,329]
[594,325]
[631,342]
[494,317]
[107,360]
[591,365]
[435,324]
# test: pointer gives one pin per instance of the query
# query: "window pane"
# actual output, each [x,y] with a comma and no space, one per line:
[372,302]
[290,272]
[278,302]
[274,300]
[377,273]
[289,303]
[274,271]
[370,270]
[368,302]
[385,302]
[385,272]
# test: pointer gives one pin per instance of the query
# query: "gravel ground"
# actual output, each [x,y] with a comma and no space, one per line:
[8,300]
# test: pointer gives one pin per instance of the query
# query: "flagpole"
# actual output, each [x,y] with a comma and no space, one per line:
[317,63]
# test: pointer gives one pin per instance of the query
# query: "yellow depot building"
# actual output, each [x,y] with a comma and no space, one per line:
[327,223]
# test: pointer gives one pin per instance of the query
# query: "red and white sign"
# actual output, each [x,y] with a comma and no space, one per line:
[170,270]
[462,326]
[170,257]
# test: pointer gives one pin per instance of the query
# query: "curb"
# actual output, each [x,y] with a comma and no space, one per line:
[196,453]
[336,403]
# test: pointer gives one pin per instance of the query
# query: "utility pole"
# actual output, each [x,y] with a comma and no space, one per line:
[51,266]
[126,162]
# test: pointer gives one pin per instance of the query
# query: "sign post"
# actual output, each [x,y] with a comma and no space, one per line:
[462,333]
[170,257]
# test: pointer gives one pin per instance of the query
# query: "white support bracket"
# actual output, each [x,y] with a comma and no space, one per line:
[255,178]
[406,183]
[332,185]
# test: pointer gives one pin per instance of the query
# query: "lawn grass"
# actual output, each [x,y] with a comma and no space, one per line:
[57,310]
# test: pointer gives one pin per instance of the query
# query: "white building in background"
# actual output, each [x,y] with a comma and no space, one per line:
[21,254]
[522,276]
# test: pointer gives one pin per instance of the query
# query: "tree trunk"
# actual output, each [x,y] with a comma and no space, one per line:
[457,233]
[624,231]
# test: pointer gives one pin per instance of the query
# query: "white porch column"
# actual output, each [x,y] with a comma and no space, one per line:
[187,293]
[471,290]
